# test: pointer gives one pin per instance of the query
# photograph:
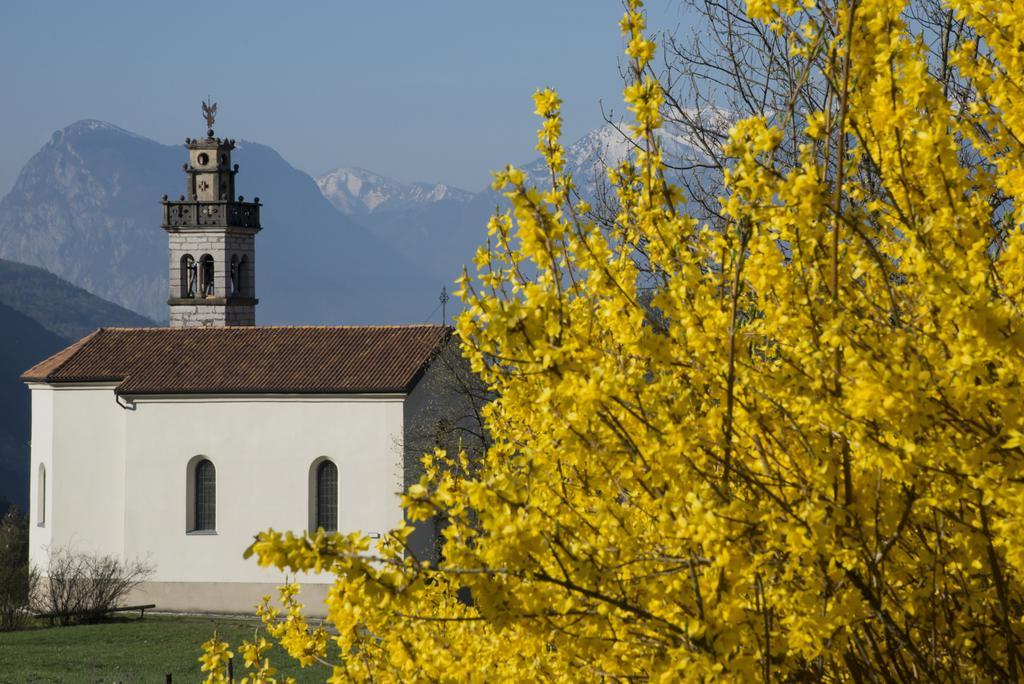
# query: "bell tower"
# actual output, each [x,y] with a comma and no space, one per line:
[212,239]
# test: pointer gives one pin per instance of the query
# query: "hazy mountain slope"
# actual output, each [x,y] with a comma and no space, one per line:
[87,207]
[314,265]
[442,236]
[65,310]
[23,343]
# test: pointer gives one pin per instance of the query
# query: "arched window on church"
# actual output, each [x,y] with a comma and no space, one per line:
[41,496]
[189,276]
[201,496]
[206,275]
[324,495]
[243,276]
[235,289]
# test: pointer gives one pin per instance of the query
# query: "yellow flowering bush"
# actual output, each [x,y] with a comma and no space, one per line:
[216,654]
[797,455]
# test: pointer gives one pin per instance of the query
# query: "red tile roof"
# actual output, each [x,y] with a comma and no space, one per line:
[343,360]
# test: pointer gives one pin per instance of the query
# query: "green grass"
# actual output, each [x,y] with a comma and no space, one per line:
[129,650]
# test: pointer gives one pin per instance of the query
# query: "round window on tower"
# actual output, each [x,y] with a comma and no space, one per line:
[203,159]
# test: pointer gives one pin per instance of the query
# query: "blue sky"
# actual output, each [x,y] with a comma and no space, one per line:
[434,90]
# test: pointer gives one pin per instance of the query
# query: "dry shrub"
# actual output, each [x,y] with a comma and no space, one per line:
[82,587]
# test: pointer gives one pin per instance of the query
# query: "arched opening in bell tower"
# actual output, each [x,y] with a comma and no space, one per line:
[244,287]
[235,283]
[207,275]
[189,276]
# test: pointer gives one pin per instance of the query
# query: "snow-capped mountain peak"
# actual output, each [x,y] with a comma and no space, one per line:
[353,190]
[607,146]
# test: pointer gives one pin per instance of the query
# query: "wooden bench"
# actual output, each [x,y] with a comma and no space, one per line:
[99,613]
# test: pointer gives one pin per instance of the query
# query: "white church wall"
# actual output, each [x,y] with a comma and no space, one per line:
[78,437]
[116,481]
[262,449]
[41,511]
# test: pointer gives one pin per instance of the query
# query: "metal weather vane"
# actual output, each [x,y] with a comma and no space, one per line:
[209,113]
[444,303]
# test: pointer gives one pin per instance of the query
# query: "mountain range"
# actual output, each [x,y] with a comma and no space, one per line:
[351,246]
[87,208]
[439,226]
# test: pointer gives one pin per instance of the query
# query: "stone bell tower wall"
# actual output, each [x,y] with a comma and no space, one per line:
[222,247]
[223,307]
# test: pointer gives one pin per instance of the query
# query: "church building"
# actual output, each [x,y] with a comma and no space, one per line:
[176,445]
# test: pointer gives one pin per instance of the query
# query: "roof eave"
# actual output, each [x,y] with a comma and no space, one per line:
[275,392]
